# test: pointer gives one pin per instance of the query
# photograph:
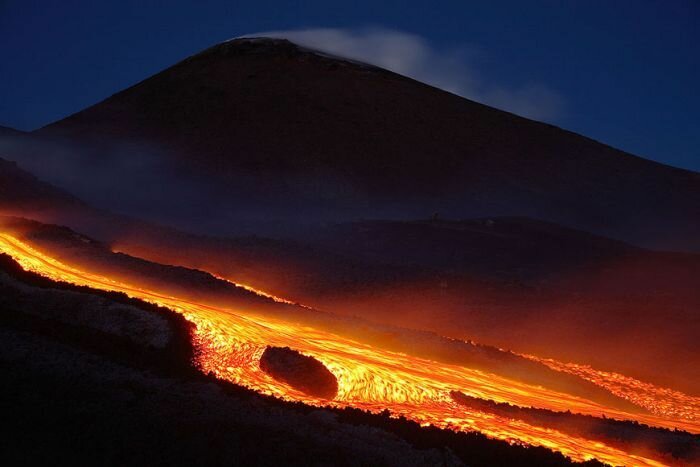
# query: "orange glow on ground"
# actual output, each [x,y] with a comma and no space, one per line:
[230,342]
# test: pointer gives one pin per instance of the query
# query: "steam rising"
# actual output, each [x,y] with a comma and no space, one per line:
[411,55]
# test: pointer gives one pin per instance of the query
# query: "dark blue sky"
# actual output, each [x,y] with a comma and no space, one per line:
[627,72]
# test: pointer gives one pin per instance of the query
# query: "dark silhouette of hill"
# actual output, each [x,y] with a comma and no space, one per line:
[21,190]
[498,247]
[7,131]
[278,127]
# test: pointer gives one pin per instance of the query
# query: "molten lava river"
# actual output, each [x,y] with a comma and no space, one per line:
[230,342]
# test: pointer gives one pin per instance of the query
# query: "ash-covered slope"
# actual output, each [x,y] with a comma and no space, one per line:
[275,126]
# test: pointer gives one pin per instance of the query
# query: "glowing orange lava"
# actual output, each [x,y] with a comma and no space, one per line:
[661,401]
[230,343]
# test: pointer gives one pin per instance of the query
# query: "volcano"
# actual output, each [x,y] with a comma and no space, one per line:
[285,127]
[424,246]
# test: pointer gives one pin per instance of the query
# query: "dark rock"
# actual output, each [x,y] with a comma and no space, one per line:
[299,371]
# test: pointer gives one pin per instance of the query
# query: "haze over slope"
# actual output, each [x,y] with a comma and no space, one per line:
[261,124]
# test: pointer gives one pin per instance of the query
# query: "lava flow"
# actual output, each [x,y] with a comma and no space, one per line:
[660,401]
[230,342]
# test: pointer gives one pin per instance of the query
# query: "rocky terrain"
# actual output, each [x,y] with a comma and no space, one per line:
[299,371]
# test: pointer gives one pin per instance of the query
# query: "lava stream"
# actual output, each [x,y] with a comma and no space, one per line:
[661,401]
[229,344]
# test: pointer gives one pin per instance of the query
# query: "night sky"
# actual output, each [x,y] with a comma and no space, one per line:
[624,72]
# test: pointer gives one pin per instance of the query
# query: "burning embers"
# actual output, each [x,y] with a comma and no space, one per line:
[306,374]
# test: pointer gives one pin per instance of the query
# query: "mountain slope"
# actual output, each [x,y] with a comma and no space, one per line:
[7,131]
[517,283]
[276,127]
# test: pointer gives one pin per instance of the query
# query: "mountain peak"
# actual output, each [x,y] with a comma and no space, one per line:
[259,45]
[275,47]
